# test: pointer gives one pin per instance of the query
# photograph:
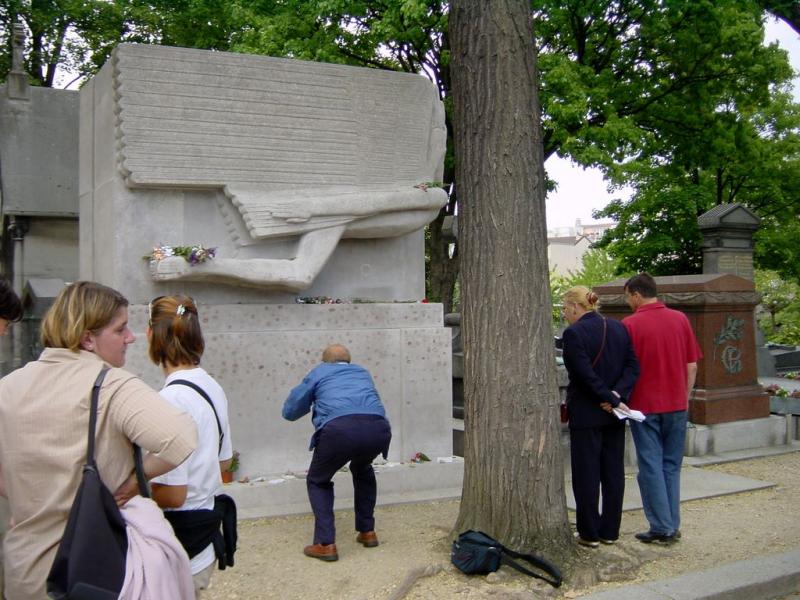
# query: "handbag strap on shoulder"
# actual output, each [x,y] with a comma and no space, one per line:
[602,344]
[98,383]
[137,451]
[141,478]
[205,396]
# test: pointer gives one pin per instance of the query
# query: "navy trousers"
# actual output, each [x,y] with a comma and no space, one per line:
[598,457]
[357,439]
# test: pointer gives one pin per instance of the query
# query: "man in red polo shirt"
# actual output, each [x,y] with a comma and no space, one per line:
[668,353]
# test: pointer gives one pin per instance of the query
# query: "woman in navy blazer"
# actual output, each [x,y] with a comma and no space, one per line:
[602,369]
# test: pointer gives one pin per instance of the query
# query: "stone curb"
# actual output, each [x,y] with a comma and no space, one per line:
[770,576]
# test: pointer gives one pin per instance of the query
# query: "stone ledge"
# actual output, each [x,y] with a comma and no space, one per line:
[399,483]
[236,318]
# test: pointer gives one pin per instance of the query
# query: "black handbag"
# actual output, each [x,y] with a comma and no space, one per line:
[475,553]
[90,560]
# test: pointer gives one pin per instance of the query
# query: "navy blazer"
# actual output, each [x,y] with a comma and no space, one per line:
[617,369]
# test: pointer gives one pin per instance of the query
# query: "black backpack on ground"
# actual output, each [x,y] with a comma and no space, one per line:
[474,552]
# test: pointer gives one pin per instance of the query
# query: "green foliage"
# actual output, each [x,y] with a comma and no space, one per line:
[779,311]
[597,267]
[79,35]
[678,99]
[681,101]
[234,466]
[758,166]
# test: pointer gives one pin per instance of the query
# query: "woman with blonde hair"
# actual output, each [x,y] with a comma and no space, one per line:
[189,493]
[602,369]
[44,416]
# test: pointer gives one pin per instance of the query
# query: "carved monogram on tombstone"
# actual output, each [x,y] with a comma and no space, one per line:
[726,342]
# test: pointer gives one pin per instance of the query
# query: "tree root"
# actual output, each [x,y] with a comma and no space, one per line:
[413,577]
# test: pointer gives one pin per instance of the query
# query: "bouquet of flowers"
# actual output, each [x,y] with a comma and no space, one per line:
[194,255]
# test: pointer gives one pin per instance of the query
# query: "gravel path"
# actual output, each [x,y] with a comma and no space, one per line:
[412,561]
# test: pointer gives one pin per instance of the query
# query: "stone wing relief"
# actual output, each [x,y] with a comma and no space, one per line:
[306,151]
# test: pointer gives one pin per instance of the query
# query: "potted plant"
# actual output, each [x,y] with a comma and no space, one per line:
[227,475]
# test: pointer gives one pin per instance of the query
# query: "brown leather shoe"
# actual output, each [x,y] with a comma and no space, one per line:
[325,552]
[368,538]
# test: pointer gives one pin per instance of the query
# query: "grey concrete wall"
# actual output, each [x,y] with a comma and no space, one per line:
[51,249]
[38,153]
[258,353]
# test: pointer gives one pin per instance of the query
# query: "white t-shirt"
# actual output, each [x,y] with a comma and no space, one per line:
[200,472]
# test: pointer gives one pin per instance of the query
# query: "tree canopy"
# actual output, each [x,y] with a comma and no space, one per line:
[679,99]
[728,135]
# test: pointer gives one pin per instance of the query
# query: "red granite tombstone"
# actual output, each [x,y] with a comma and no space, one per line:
[720,308]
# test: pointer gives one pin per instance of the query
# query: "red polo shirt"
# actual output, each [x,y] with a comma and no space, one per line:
[664,344]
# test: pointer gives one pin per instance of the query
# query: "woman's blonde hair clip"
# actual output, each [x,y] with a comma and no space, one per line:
[180,310]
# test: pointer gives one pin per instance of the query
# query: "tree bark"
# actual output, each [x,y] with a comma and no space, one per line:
[513,478]
[442,268]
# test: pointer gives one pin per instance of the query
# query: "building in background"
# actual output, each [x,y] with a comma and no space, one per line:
[567,245]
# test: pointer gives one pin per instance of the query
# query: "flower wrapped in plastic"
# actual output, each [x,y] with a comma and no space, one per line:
[194,255]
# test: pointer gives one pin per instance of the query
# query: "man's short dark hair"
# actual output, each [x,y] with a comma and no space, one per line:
[642,283]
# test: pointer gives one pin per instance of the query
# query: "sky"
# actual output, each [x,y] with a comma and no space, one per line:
[580,191]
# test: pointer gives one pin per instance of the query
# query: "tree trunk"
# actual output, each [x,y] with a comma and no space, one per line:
[442,268]
[513,476]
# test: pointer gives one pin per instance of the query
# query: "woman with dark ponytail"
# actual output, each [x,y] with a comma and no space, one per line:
[602,369]
[189,493]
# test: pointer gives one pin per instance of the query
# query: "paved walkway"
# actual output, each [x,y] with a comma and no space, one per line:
[772,577]
[760,578]
[411,562]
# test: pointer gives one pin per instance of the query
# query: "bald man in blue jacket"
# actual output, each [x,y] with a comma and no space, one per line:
[350,426]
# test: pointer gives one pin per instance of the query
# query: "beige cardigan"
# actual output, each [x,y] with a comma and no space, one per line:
[44,416]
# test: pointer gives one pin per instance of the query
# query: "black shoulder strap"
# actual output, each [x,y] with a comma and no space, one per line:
[144,491]
[555,578]
[200,391]
[98,383]
[602,344]
[137,451]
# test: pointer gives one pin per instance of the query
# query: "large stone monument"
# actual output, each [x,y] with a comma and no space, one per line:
[307,178]
[275,162]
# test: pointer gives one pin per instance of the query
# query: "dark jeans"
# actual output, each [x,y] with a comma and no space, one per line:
[659,441]
[598,456]
[356,439]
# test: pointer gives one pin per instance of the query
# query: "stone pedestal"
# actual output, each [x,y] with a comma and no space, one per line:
[259,353]
[720,310]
